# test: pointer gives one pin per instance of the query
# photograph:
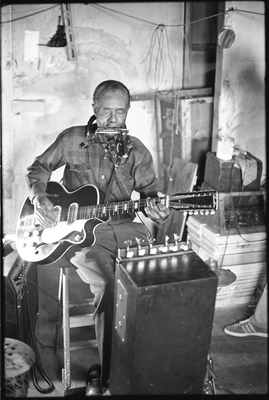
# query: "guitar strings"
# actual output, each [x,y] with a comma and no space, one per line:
[100,210]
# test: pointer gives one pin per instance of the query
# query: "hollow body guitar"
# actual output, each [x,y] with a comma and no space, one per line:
[78,214]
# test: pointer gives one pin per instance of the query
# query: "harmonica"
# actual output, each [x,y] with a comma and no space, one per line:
[114,130]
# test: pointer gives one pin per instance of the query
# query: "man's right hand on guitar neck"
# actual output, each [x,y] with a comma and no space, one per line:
[44,211]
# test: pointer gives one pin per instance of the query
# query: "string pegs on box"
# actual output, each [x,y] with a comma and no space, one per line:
[151,240]
[164,248]
[174,247]
[140,251]
[129,254]
[187,245]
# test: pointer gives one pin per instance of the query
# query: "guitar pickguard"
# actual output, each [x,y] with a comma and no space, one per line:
[73,233]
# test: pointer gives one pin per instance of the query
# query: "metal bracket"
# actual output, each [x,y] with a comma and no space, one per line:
[67,20]
[121,308]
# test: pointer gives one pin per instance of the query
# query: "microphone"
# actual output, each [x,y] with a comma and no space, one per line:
[84,145]
[122,145]
[90,128]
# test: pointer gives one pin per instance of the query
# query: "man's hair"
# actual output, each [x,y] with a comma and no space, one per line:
[110,86]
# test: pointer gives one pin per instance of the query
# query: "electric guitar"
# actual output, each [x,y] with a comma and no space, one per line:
[78,214]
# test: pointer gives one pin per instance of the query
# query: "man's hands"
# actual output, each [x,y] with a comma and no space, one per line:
[157,212]
[47,216]
[44,212]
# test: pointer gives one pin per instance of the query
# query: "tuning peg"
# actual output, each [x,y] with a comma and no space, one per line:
[212,212]
[176,238]
[141,252]
[150,240]
[174,247]
[139,241]
[129,254]
[187,245]
[128,244]
[166,240]
[164,248]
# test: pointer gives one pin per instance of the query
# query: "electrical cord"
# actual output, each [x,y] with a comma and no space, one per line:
[38,363]
[24,291]
[34,329]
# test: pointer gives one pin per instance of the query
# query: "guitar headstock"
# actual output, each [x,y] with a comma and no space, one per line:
[194,203]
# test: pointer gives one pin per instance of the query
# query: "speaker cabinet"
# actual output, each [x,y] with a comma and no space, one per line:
[163,315]
[19,278]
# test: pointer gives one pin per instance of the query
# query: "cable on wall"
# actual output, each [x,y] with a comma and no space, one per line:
[30,15]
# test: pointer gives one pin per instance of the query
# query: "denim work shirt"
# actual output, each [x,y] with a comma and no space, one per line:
[93,165]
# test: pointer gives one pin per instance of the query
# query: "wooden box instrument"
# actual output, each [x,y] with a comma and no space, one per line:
[163,315]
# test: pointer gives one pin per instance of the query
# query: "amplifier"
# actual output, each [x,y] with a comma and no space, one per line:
[18,279]
[163,315]
[238,212]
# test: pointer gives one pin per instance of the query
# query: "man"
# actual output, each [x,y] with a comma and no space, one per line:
[95,155]
[256,325]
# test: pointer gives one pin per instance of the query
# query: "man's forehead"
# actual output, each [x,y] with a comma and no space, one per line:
[113,93]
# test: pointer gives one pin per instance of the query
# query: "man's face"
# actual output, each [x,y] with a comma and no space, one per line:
[111,109]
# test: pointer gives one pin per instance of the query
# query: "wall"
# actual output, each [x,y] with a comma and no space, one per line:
[239,109]
[200,44]
[43,92]
[42,97]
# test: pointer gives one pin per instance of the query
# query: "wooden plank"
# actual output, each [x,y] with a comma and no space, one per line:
[85,344]
[199,222]
[178,93]
[242,290]
[77,321]
[246,247]
[228,259]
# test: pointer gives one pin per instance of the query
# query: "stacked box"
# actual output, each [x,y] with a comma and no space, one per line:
[244,255]
[226,176]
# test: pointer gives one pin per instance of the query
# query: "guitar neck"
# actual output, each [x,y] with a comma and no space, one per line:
[108,209]
[187,202]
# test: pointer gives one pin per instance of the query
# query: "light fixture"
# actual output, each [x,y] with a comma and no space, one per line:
[226,37]
[59,38]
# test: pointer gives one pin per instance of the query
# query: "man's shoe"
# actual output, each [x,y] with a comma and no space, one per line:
[93,381]
[245,328]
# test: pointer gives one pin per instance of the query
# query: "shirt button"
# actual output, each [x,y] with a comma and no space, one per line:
[103,177]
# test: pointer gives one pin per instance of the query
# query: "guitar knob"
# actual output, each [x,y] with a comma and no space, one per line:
[212,212]
[26,234]
[36,232]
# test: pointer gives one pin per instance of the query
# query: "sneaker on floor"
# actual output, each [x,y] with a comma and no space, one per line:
[245,328]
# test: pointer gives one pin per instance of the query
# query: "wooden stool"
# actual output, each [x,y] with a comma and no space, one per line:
[68,322]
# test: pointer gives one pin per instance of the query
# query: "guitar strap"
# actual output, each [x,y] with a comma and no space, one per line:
[109,186]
